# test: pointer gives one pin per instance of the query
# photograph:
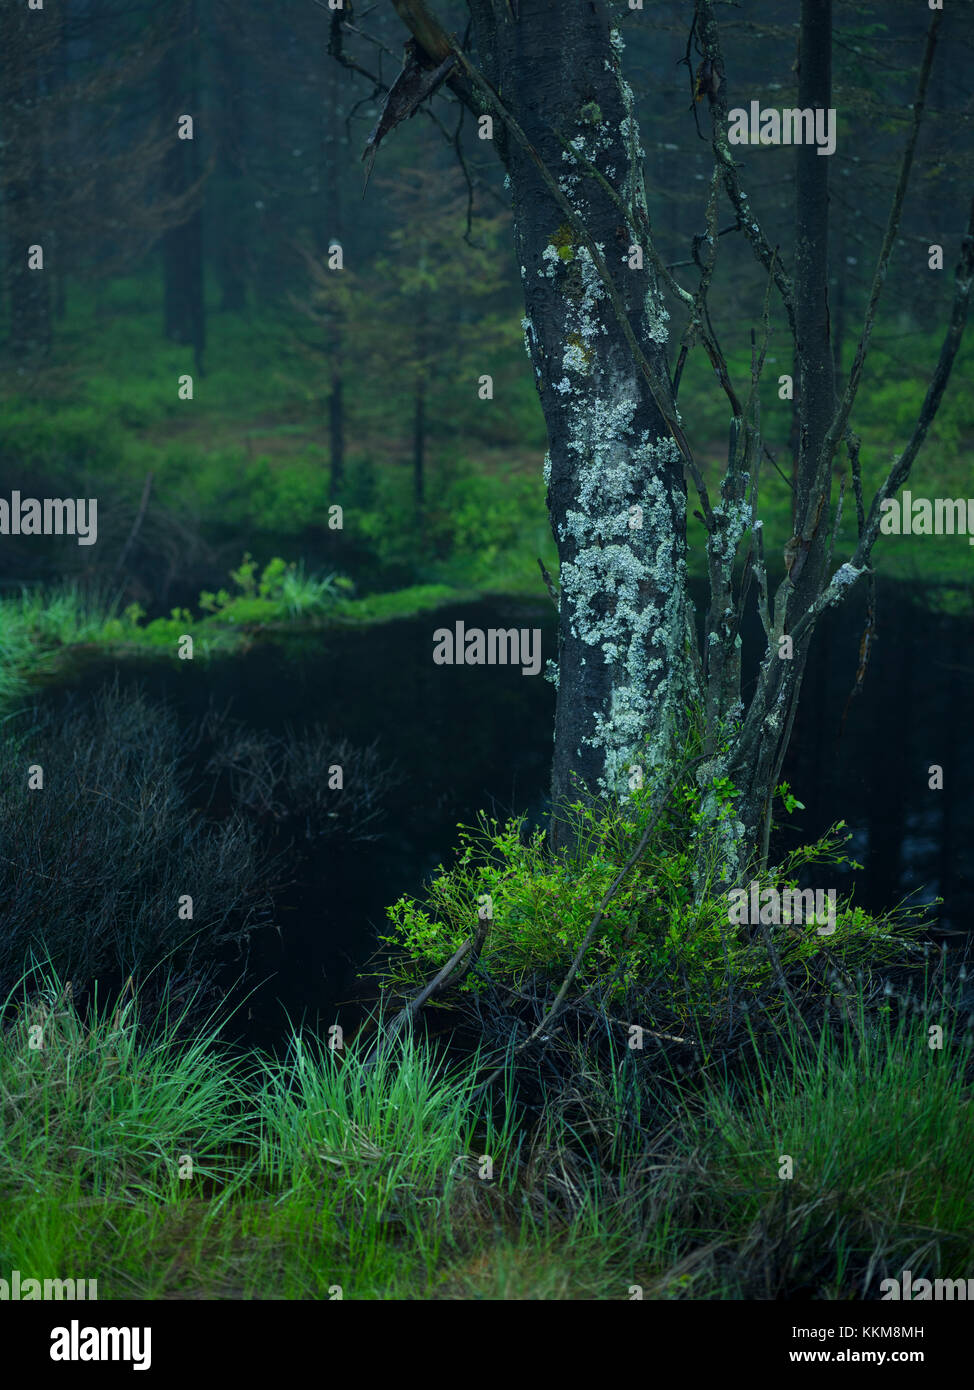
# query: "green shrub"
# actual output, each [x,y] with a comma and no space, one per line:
[281,590]
[661,934]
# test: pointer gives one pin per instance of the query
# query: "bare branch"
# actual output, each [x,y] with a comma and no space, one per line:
[963,277]
[838,427]
[596,921]
[709,35]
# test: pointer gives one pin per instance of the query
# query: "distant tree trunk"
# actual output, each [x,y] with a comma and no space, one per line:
[329,210]
[759,752]
[235,217]
[69,136]
[794,428]
[268,152]
[182,246]
[23,181]
[60,295]
[336,432]
[329,227]
[419,443]
[840,280]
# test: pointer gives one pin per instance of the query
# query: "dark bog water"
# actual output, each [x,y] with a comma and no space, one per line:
[466,739]
[463,739]
[873,771]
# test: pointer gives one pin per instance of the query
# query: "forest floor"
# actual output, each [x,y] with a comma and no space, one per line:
[248,455]
[173,1170]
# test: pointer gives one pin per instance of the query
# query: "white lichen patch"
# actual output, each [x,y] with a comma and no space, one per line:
[733,522]
[844,576]
[614,571]
[574,359]
[528,330]
[657,318]
[551,260]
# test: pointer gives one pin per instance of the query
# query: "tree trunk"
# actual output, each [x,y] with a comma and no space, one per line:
[182,246]
[23,179]
[233,248]
[616,493]
[336,430]
[419,444]
[329,227]
[840,279]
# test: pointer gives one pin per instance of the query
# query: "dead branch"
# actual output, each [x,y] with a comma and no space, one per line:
[594,925]
[469,952]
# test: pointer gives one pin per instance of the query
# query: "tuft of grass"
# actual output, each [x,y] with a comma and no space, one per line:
[876,1124]
[317,1176]
[107,1107]
[40,629]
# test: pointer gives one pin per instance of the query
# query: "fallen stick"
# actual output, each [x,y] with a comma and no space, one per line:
[136,525]
[471,948]
[593,928]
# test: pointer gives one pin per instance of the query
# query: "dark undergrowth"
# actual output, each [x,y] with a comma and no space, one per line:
[709,1113]
[134,845]
[810,1167]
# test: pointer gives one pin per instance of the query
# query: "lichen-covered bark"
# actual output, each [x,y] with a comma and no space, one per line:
[616,491]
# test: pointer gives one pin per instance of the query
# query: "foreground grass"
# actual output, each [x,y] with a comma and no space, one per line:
[168,1168]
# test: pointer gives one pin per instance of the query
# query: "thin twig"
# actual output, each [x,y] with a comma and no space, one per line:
[471,948]
[594,926]
[137,523]
[549,583]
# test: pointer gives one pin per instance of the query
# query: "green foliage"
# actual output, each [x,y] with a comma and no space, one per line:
[475,526]
[281,590]
[659,932]
[403,603]
[107,1108]
[314,1170]
[40,626]
[788,800]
